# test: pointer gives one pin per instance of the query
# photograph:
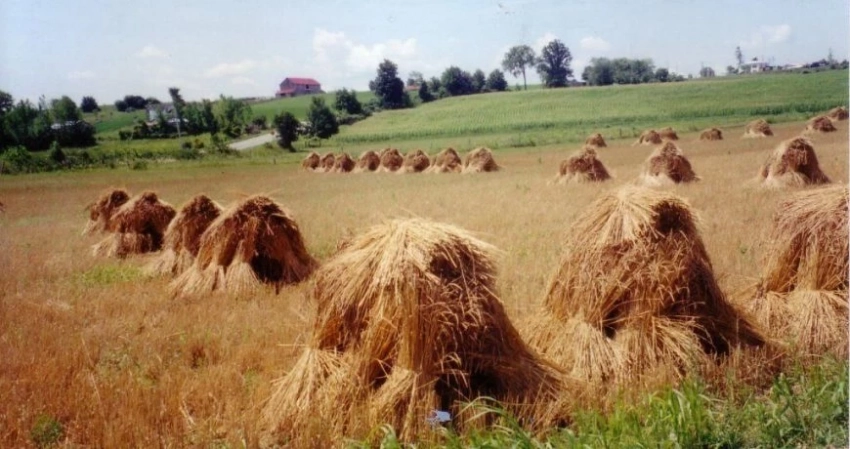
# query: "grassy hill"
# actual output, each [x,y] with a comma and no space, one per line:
[297,106]
[564,115]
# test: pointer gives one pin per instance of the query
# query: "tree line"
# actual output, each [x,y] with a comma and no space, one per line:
[38,126]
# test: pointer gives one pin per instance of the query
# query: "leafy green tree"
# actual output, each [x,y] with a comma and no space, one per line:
[706,72]
[28,126]
[457,82]
[135,101]
[388,87]
[286,126]
[56,154]
[553,65]
[208,120]
[346,101]
[600,72]
[731,70]
[517,59]
[65,110]
[479,80]
[323,123]
[662,75]
[425,94]
[6,103]
[435,84]
[121,105]
[89,104]
[232,115]
[496,81]
[152,100]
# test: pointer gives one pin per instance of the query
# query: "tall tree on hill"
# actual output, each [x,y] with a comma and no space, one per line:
[89,104]
[706,72]
[553,65]
[346,101]
[457,82]
[496,81]
[65,110]
[424,93]
[517,59]
[322,120]
[287,129]
[479,80]
[389,88]
[739,57]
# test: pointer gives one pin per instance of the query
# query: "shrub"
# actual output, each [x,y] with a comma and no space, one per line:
[46,431]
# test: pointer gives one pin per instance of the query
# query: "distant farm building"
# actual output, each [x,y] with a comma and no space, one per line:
[293,87]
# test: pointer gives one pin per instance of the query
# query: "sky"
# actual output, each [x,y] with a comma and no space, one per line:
[108,49]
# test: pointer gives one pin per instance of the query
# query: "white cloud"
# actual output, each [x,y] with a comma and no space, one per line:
[231,68]
[342,61]
[767,35]
[542,41]
[243,80]
[149,51]
[81,75]
[593,43]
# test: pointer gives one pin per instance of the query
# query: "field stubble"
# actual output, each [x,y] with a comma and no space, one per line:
[108,354]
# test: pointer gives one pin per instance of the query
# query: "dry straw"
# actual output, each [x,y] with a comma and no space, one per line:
[802,295]
[635,294]
[792,163]
[668,133]
[446,161]
[480,160]
[758,128]
[101,210]
[326,163]
[408,321]
[343,163]
[839,113]
[648,137]
[820,124]
[596,140]
[183,236]
[667,164]
[137,227]
[368,161]
[582,166]
[311,162]
[391,160]
[415,161]
[253,242]
[711,134]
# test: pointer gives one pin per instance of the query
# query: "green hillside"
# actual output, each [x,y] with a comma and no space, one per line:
[562,115]
[297,106]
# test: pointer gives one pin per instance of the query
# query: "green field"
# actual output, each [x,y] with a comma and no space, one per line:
[297,106]
[569,115]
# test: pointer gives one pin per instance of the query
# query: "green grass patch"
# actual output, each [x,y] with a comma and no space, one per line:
[298,106]
[807,407]
[102,275]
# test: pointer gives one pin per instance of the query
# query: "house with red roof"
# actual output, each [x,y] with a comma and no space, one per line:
[293,87]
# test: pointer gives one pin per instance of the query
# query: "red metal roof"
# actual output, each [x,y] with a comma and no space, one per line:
[307,81]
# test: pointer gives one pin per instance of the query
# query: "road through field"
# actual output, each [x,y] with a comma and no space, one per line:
[252,142]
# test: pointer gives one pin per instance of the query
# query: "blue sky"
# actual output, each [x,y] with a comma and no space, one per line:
[111,48]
